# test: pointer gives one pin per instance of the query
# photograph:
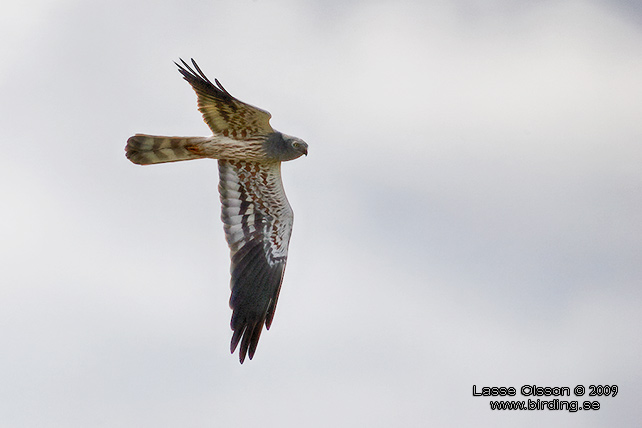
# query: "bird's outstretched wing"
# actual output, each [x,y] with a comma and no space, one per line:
[223,113]
[258,222]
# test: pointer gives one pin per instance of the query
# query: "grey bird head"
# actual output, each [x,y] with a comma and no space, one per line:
[281,147]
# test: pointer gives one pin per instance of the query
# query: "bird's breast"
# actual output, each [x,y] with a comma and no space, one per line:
[222,147]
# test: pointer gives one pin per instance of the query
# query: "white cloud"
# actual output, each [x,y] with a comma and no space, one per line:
[469,213]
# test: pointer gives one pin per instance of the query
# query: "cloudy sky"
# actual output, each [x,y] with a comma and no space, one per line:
[469,214]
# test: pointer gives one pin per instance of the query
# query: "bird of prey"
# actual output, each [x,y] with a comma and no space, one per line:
[256,215]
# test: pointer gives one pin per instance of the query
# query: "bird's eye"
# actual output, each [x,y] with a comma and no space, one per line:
[295,145]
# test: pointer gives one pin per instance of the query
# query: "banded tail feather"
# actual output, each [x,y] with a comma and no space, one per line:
[145,149]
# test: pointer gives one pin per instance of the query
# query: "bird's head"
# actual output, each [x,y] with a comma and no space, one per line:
[298,145]
[285,147]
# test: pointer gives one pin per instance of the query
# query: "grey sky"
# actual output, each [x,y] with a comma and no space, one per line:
[469,213]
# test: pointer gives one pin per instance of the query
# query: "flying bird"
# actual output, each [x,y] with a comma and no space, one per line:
[257,217]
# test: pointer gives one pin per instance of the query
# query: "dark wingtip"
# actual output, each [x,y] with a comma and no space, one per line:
[195,76]
[248,338]
[185,69]
[221,87]
[236,337]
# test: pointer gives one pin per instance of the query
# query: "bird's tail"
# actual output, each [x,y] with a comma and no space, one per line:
[148,149]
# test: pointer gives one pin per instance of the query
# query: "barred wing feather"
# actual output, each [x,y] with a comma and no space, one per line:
[258,221]
[223,113]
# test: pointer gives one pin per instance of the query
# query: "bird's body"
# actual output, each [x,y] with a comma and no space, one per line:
[256,214]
